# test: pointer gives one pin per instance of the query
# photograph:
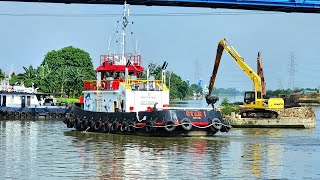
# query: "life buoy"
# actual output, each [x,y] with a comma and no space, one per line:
[105,127]
[124,127]
[169,126]
[216,124]
[186,124]
[132,127]
[150,126]
[97,126]
[114,126]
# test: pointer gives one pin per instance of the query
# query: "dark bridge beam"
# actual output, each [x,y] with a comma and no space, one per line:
[303,6]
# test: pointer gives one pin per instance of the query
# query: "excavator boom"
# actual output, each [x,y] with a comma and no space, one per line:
[260,74]
[239,60]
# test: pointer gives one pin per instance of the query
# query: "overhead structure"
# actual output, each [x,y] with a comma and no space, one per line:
[302,6]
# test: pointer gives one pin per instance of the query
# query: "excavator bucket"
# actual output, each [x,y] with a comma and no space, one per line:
[211,99]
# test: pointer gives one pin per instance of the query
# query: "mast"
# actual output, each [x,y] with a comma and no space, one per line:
[124,26]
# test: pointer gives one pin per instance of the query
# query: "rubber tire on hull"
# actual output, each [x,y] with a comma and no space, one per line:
[69,123]
[105,127]
[150,126]
[215,124]
[97,126]
[132,127]
[186,124]
[124,127]
[114,127]
[169,126]
[225,127]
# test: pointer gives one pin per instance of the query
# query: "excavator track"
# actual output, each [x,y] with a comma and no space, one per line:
[258,113]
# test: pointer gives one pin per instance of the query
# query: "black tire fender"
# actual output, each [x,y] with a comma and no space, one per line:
[105,127]
[124,127]
[169,126]
[150,126]
[114,126]
[216,124]
[132,127]
[186,124]
[97,126]
[69,123]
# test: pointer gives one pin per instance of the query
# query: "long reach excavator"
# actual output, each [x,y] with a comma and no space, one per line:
[255,105]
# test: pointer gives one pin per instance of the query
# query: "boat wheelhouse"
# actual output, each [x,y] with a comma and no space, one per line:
[120,88]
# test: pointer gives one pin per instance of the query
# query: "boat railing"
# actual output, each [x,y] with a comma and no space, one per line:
[115,59]
[136,85]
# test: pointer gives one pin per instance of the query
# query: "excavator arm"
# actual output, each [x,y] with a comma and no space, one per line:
[260,74]
[239,60]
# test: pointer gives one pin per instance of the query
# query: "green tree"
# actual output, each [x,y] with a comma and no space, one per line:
[61,71]
[2,74]
[69,66]
[178,88]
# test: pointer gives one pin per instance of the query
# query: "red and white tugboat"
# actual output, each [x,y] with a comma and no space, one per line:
[120,101]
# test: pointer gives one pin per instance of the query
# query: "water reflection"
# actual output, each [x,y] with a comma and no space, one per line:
[145,157]
[46,149]
[263,157]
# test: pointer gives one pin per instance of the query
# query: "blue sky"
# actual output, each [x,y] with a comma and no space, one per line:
[183,41]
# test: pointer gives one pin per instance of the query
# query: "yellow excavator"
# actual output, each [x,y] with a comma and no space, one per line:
[254,105]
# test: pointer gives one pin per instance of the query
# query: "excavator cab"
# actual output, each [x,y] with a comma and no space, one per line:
[249,97]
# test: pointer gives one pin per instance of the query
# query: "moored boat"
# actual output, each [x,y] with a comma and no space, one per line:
[18,101]
[120,100]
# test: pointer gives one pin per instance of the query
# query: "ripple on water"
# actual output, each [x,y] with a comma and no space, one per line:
[48,150]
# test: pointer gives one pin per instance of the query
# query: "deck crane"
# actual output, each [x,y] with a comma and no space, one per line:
[254,104]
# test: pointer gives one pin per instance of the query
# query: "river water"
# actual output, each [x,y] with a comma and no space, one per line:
[46,149]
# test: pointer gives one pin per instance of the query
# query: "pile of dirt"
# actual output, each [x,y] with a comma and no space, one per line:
[299,112]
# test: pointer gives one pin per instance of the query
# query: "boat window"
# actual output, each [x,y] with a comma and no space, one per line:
[12,98]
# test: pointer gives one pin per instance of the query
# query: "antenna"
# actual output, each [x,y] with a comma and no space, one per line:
[124,26]
[109,45]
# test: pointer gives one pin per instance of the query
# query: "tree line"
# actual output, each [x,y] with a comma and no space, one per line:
[65,70]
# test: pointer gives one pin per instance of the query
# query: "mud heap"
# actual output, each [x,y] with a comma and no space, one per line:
[299,112]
